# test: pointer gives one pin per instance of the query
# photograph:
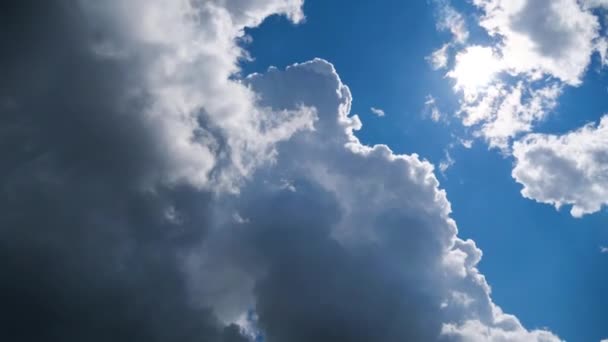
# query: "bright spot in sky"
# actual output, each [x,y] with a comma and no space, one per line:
[475,68]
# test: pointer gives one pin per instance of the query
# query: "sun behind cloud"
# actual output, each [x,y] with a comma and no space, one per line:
[476,67]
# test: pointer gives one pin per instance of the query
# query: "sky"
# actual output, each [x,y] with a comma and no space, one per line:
[304,170]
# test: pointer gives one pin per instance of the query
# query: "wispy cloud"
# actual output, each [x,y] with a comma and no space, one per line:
[446,162]
[439,58]
[451,20]
[431,109]
[377,111]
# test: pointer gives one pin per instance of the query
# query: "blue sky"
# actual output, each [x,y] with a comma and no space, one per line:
[544,265]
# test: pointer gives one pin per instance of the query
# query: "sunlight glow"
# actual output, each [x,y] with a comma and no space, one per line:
[475,68]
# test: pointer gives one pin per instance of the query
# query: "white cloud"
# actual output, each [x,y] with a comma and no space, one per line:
[499,111]
[451,20]
[569,169]
[187,53]
[549,37]
[602,48]
[475,69]
[383,217]
[377,111]
[448,20]
[439,58]
[594,3]
[466,143]
[446,162]
[539,47]
[503,112]
[475,331]
[431,108]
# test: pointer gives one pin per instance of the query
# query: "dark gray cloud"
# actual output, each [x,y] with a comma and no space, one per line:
[316,289]
[88,252]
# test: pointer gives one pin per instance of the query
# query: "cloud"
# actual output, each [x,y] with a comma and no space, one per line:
[448,19]
[380,247]
[191,118]
[475,331]
[431,108]
[116,131]
[567,169]
[446,162]
[151,193]
[549,37]
[594,3]
[377,111]
[475,68]
[466,143]
[504,112]
[451,20]
[511,84]
[439,58]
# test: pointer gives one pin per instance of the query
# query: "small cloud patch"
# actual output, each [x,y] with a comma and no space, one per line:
[377,111]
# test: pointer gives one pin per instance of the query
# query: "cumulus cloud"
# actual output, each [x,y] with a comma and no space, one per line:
[475,331]
[569,169]
[151,193]
[116,130]
[549,37]
[183,54]
[365,236]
